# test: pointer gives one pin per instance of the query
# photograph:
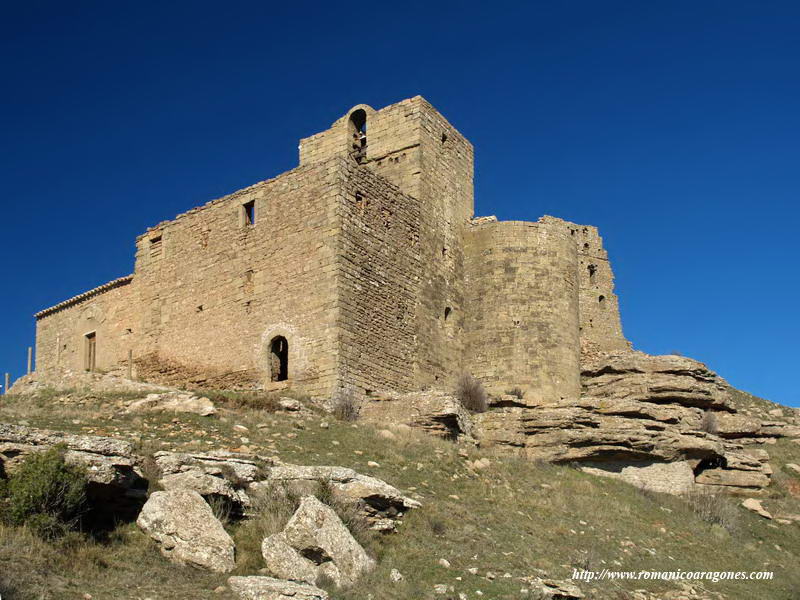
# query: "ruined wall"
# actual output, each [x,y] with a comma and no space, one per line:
[601,327]
[378,270]
[111,312]
[216,290]
[522,325]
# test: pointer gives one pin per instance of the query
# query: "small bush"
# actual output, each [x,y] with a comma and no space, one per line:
[714,508]
[47,495]
[438,527]
[471,394]
[516,392]
[709,423]
[345,408]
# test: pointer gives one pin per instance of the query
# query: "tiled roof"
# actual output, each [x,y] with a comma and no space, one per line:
[93,292]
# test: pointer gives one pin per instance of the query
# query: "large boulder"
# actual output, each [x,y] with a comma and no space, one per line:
[267,588]
[187,530]
[316,542]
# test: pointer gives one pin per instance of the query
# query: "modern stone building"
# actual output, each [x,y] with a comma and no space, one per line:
[363,269]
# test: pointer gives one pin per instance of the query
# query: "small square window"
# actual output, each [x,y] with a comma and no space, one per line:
[249,213]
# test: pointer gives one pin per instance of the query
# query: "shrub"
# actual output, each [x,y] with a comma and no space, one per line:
[709,422]
[47,494]
[345,408]
[471,394]
[714,508]
[517,392]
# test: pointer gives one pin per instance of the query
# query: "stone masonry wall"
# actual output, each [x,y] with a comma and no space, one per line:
[216,290]
[601,327]
[112,315]
[414,147]
[378,282]
[522,305]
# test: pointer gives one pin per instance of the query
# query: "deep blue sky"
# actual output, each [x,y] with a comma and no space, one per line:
[673,126]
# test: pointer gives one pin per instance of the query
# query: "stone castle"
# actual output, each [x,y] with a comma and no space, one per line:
[364,274]
[363,269]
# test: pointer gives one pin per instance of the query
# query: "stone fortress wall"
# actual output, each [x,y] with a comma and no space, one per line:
[367,262]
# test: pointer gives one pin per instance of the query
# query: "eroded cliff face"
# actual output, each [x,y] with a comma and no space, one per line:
[665,423]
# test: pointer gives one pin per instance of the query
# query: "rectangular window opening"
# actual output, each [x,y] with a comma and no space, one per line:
[155,246]
[249,213]
[90,355]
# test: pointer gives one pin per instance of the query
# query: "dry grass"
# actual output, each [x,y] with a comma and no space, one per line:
[714,508]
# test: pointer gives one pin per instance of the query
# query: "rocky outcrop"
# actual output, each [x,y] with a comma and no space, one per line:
[221,475]
[187,530]
[115,481]
[177,402]
[267,588]
[666,423]
[241,479]
[381,503]
[640,377]
[434,412]
[315,542]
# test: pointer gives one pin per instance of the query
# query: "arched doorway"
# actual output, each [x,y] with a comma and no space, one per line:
[279,359]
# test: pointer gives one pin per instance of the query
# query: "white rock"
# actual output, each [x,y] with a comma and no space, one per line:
[755,506]
[284,562]
[290,404]
[267,588]
[316,530]
[395,576]
[185,527]
[444,562]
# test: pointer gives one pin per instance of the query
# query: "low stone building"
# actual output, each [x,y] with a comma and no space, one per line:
[362,270]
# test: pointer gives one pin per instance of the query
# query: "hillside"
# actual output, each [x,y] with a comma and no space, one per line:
[496,523]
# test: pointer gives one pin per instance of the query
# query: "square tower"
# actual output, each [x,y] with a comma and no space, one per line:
[411,145]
